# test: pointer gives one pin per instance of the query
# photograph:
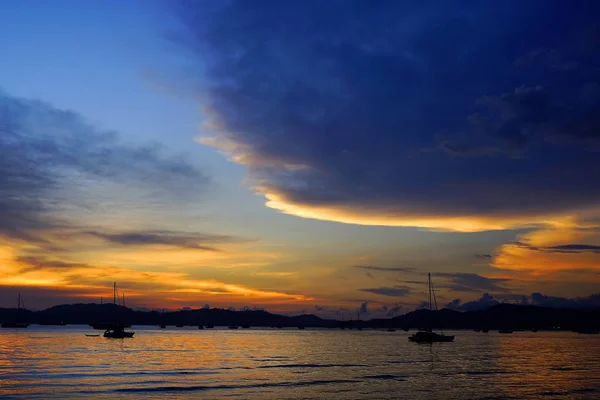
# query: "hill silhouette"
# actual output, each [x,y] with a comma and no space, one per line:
[501,316]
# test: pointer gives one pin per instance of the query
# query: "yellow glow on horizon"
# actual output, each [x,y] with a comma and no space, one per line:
[91,280]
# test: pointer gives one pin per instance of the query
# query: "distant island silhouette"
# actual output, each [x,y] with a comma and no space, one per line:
[501,316]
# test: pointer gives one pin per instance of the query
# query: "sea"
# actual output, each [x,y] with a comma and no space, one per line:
[61,362]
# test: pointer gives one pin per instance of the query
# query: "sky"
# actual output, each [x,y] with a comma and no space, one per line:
[302,157]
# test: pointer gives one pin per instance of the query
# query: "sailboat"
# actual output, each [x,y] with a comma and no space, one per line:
[117,331]
[427,335]
[16,324]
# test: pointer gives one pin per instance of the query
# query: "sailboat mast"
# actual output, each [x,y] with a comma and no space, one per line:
[429,288]
[435,302]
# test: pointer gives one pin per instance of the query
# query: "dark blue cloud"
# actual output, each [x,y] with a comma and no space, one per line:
[537,299]
[467,282]
[404,111]
[561,248]
[186,240]
[49,155]
[394,291]
[385,269]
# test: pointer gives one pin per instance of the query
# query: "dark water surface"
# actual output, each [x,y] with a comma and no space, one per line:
[185,363]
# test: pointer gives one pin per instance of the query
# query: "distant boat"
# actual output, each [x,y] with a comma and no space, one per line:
[179,326]
[391,330]
[246,326]
[16,324]
[534,330]
[300,327]
[163,326]
[200,326]
[209,326]
[233,327]
[505,331]
[116,330]
[485,330]
[427,335]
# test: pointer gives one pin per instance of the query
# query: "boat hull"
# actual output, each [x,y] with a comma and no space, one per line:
[430,337]
[118,335]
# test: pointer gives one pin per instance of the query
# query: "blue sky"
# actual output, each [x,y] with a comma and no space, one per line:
[296,142]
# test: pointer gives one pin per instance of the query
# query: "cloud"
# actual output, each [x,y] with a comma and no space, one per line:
[56,165]
[485,301]
[468,282]
[562,248]
[342,111]
[483,256]
[566,247]
[385,269]
[363,309]
[394,291]
[454,304]
[539,299]
[90,280]
[176,239]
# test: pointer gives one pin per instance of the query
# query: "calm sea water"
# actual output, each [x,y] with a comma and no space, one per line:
[180,363]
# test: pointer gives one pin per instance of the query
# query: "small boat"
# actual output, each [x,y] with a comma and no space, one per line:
[505,331]
[233,327]
[391,330]
[92,334]
[427,335]
[118,332]
[16,324]
[246,326]
[301,327]
[163,326]
[200,326]
[179,326]
[430,337]
[209,326]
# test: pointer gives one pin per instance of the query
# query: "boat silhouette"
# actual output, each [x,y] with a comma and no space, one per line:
[117,330]
[427,335]
[17,324]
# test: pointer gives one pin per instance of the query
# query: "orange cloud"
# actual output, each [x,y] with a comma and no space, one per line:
[93,280]
[380,217]
[546,252]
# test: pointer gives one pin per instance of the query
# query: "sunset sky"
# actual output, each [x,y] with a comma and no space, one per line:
[301,156]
